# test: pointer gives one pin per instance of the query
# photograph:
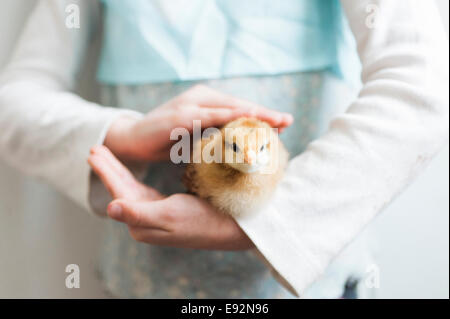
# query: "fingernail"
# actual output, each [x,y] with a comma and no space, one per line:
[115,211]
[289,118]
[95,148]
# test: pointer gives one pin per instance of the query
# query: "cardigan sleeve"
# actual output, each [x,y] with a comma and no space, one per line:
[370,153]
[46,130]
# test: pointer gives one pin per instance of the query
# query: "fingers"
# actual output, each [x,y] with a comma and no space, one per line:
[274,118]
[113,162]
[139,213]
[217,116]
[108,175]
[211,117]
[222,108]
[118,180]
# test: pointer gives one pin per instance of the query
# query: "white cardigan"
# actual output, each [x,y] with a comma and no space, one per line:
[330,192]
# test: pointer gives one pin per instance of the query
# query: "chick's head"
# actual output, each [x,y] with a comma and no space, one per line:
[248,145]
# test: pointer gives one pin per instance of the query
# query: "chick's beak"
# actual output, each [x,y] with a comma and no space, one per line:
[249,157]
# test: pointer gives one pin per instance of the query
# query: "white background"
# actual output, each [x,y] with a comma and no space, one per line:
[413,233]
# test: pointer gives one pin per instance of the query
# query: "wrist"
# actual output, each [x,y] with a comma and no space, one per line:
[119,138]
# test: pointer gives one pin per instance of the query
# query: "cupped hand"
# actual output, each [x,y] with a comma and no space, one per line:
[179,220]
[148,139]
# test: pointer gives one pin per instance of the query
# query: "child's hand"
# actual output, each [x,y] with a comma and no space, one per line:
[148,139]
[179,220]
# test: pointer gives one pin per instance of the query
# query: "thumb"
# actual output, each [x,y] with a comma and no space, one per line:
[137,213]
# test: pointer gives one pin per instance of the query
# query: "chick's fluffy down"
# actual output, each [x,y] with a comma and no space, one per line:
[228,189]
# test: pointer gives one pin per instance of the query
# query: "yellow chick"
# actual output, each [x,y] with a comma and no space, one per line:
[240,166]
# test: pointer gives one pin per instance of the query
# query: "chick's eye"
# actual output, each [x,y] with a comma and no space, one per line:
[235,147]
[262,148]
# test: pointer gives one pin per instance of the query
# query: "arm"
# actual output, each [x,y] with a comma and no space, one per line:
[46,130]
[371,153]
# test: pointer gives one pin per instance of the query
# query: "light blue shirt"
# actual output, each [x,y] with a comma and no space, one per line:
[148,41]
